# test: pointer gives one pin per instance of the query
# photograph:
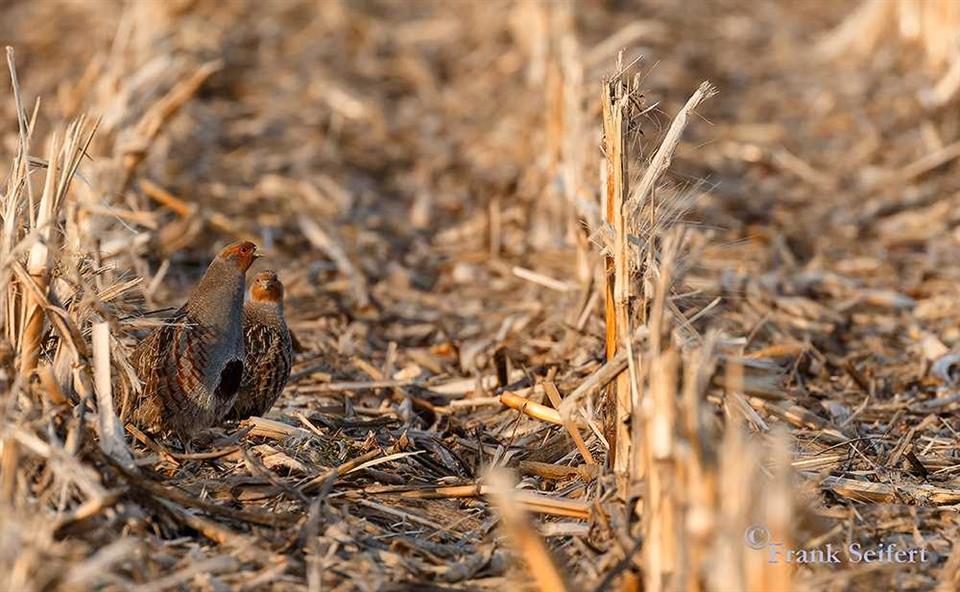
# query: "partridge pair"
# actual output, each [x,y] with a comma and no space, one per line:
[216,358]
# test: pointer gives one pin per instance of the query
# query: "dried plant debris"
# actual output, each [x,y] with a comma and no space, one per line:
[563,316]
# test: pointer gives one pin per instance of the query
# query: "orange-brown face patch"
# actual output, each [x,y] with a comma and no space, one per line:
[242,253]
[266,288]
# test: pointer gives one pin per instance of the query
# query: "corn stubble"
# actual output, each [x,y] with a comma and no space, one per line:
[512,370]
[668,471]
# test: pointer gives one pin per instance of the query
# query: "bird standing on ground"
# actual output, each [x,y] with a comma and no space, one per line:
[268,347]
[192,366]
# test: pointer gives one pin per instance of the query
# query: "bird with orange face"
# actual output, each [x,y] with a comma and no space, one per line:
[192,366]
[268,348]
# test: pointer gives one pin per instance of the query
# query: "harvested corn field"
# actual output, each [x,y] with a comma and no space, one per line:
[588,295]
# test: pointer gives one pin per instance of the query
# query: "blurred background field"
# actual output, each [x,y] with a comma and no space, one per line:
[510,240]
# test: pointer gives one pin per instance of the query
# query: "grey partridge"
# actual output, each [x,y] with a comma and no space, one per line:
[268,347]
[192,366]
